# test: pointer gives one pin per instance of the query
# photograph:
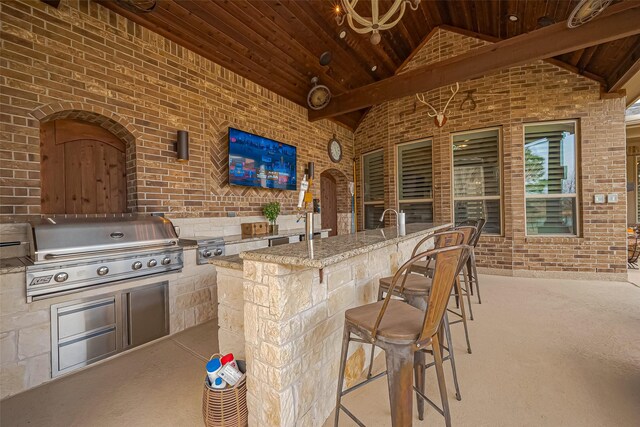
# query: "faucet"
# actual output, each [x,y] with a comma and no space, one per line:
[387,210]
[400,220]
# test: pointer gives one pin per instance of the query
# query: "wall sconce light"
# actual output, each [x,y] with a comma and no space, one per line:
[182,146]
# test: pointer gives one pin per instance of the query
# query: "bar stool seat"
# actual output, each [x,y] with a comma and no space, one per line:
[400,323]
[414,284]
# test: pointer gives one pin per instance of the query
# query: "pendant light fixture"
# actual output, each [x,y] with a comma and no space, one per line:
[374,23]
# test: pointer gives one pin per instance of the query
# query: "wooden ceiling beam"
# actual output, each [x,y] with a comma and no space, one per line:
[554,61]
[618,21]
[585,58]
[625,71]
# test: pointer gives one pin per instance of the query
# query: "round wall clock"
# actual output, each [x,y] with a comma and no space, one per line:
[335,150]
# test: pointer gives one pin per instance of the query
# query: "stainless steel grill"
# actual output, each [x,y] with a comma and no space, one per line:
[208,247]
[69,254]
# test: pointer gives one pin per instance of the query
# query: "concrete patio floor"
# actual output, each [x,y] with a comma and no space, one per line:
[545,353]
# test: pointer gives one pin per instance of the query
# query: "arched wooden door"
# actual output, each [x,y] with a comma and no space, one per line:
[83,169]
[329,203]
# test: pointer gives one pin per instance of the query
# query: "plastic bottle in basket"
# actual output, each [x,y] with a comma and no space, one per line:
[230,374]
[214,367]
[228,358]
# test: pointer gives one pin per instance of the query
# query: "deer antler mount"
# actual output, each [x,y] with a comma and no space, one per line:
[439,118]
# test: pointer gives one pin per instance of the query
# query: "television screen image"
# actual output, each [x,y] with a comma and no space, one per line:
[256,161]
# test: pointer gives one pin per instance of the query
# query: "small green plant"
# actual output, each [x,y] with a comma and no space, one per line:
[271,211]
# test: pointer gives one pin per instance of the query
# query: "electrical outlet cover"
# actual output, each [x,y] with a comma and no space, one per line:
[612,198]
[598,198]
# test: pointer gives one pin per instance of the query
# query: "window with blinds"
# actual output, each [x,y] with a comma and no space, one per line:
[550,155]
[415,181]
[477,180]
[373,192]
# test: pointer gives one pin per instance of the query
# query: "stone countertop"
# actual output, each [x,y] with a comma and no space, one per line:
[13,265]
[229,261]
[320,253]
[239,238]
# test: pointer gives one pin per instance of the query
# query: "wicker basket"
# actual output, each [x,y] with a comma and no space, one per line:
[226,407]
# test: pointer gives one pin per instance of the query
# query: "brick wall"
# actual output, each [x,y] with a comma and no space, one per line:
[84,61]
[508,99]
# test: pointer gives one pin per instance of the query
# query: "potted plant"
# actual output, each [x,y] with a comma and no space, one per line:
[271,212]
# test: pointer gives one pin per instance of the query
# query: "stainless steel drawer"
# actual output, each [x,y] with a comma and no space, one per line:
[86,317]
[85,331]
[82,351]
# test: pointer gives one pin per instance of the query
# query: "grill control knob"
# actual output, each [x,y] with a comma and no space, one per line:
[136,265]
[103,270]
[217,252]
[206,253]
[152,263]
[166,261]
[61,277]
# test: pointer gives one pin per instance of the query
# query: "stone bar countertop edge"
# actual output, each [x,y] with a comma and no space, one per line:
[227,261]
[334,249]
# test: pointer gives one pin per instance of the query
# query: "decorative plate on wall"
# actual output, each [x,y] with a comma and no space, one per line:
[335,149]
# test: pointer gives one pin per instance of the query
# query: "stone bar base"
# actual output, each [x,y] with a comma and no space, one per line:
[231,312]
[293,328]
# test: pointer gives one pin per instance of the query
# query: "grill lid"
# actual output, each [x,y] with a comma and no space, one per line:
[57,239]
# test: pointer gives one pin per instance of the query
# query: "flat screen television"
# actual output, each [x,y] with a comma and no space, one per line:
[256,161]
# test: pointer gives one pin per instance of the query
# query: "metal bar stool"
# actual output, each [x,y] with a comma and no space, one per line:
[402,330]
[427,269]
[416,289]
[472,271]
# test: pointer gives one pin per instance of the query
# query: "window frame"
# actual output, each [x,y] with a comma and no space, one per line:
[362,180]
[575,195]
[397,176]
[500,197]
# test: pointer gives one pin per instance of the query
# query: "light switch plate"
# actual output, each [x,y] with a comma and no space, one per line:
[598,198]
[612,198]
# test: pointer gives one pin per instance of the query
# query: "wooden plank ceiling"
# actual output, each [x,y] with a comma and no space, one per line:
[277,43]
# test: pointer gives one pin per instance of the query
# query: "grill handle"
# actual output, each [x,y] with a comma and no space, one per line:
[106,251]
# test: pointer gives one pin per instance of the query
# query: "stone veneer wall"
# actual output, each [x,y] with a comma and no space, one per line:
[25,329]
[293,329]
[85,61]
[531,93]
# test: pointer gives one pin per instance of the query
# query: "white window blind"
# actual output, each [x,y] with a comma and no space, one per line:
[550,152]
[373,181]
[477,178]
[415,181]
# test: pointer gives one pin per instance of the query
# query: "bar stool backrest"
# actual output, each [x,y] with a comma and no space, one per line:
[449,263]
[469,233]
[441,240]
[445,275]
[478,224]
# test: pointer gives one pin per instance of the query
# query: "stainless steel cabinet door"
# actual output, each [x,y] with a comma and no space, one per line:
[146,314]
